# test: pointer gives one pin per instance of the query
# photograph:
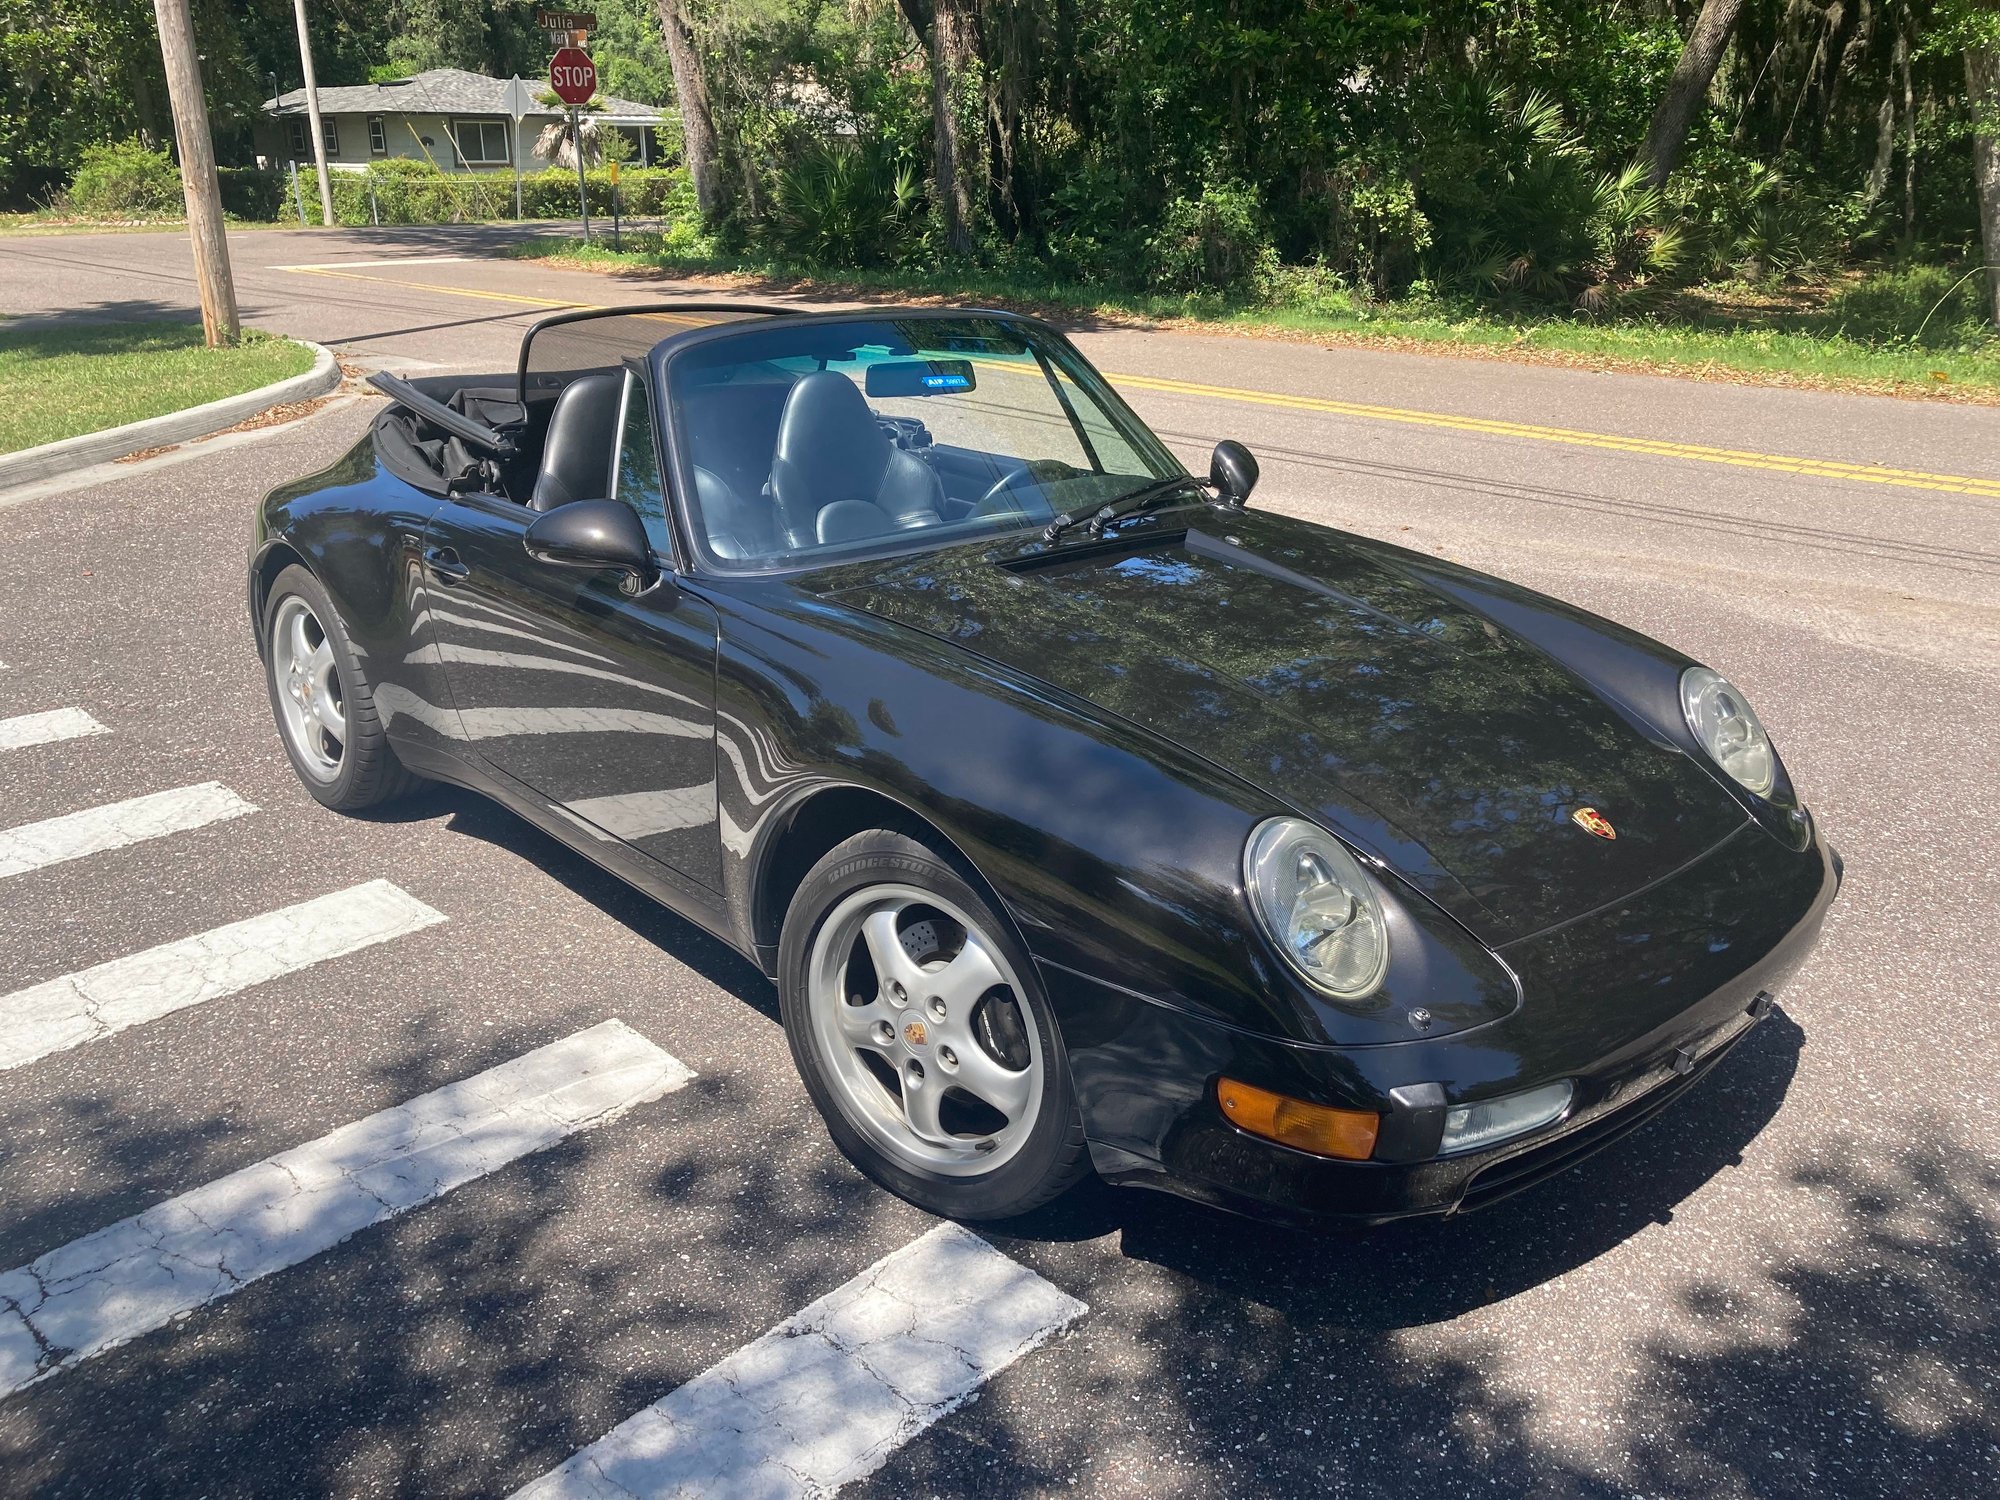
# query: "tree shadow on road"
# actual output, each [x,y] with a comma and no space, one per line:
[469,1345]
[1855,1357]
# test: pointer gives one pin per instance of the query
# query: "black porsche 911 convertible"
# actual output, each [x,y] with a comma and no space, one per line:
[1085,817]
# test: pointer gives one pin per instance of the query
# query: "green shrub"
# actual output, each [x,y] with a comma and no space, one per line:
[552,193]
[1093,227]
[1311,288]
[252,192]
[843,205]
[1217,242]
[122,179]
[1517,212]
[1931,306]
[404,190]
[1374,223]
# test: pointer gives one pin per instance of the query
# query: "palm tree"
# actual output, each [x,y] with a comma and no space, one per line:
[559,144]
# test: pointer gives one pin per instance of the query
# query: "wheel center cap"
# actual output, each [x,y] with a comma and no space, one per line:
[914,1033]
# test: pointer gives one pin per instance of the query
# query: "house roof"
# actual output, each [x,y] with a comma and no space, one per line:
[439,91]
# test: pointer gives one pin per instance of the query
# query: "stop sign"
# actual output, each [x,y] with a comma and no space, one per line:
[573,75]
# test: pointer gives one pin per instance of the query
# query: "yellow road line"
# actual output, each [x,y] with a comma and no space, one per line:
[1817,468]
[1812,468]
[485,296]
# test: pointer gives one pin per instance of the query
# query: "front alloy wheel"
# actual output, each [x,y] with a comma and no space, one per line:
[918,1017]
[920,1036]
[312,710]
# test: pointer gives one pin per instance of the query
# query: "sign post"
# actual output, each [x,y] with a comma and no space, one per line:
[573,76]
[517,101]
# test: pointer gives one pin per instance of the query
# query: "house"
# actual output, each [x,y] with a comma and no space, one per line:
[458,120]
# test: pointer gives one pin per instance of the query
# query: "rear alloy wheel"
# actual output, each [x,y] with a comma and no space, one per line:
[922,1037]
[323,703]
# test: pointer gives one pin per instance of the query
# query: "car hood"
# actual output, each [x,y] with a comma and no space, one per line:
[1342,677]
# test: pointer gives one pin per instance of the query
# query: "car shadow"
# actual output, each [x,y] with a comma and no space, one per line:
[1395,1276]
[474,816]
[1424,1271]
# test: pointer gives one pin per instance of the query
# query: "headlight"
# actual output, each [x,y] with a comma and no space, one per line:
[1727,728]
[1318,907]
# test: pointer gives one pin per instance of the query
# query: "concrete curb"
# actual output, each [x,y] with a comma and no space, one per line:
[175,427]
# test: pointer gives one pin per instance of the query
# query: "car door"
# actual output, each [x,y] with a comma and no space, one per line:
[602,703]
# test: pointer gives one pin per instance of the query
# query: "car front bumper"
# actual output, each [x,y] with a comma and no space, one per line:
[1634,1005]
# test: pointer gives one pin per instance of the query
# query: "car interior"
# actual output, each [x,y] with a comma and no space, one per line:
[823,447]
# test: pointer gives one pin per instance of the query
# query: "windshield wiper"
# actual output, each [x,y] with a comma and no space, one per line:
[1101,516]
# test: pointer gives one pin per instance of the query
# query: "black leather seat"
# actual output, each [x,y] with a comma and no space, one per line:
[736,525]
[830,450]
[576,458]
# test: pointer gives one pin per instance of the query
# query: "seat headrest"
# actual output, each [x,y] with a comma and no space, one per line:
[576,458]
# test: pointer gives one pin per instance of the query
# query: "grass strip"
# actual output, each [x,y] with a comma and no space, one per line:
[1787,345]
[61,377]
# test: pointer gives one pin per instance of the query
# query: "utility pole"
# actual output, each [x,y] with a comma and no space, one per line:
[312,115]
[219,322]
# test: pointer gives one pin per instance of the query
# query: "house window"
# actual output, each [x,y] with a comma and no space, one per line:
[378,137]
[329,132]
[481,143]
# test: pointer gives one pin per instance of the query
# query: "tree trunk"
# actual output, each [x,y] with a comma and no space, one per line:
[1982,80]
[1688,87]
[1885,152]
[954,49]
[1902,63]
[697,119]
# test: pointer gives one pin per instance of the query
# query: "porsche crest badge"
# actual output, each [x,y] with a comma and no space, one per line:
[913,1033]
[1590,820]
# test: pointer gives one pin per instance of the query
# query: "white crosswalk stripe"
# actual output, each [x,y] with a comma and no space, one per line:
[95,830]
[829,1395]
[141,1273]
[141,987]
[23,730]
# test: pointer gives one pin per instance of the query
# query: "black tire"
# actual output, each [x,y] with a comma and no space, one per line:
[368,773]
[1054,1155]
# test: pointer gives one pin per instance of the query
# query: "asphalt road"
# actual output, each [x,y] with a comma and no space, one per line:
[1783,1287]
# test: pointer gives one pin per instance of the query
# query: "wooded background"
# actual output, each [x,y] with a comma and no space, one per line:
[1574,154]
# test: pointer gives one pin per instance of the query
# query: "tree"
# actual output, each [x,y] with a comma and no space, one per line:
[559,144]
[630,52]
[697,117]
[958,103]
[1982,81]
[1688,87]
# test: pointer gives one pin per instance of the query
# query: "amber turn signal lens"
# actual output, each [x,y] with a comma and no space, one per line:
[1346,1133]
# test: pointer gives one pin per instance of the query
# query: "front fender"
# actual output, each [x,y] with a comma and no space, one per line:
[1117,854]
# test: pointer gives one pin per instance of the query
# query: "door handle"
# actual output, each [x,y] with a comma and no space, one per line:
[445,565]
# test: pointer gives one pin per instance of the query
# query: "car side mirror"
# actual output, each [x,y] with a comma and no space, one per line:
[594,535]
[1233,471]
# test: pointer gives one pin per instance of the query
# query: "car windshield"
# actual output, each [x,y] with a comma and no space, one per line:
[809,441]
